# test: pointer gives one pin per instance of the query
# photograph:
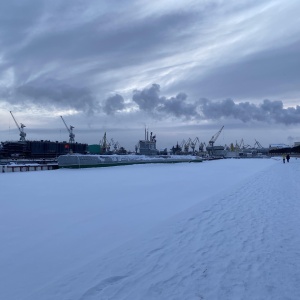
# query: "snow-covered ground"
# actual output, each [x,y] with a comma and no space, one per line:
[226,229]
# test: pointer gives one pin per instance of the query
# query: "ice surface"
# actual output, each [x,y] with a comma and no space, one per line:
[226,229]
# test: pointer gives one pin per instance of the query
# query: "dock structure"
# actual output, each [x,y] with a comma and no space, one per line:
[11,168]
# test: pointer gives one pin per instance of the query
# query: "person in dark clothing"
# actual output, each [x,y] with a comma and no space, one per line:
[288,158]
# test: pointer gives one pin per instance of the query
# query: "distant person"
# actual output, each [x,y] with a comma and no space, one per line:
[283,158]
[288,158]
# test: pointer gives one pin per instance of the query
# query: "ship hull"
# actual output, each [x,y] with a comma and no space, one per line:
[77,161]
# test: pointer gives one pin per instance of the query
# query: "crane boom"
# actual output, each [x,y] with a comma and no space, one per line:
[214,137]
[258,144]
[21,128]
[70,130]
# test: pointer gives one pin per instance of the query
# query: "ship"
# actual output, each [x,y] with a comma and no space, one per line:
[146,153]
[78,161]
[147,146]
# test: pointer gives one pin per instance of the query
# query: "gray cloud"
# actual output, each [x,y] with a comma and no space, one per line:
[84,44]
[273,73]
[16,20]
[178,107]
[53,93]
[73,53]
[62,42]
[268,111]
[113,104]
[149,100]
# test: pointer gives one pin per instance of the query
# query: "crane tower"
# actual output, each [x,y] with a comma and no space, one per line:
[213,139]
[21,129]
[70,130]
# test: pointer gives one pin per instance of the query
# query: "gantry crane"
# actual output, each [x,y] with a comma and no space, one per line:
[70,130]
[214,138]
[21,128]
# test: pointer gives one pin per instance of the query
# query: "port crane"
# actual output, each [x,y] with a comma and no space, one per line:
[194,143]
[115,145]
[187,145]
[70,130]
[202,146]
[214,138]
[257,145]
[104,145]
[21,128]
[182,144]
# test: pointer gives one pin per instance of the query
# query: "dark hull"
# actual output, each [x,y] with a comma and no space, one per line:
[39,149]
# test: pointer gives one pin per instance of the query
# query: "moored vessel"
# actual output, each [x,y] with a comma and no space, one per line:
[76,161]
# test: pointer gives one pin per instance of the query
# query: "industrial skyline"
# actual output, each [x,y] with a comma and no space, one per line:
[181,69]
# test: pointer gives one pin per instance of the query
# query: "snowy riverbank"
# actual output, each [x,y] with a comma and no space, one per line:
[224,229]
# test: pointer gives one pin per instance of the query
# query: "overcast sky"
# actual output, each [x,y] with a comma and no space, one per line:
[183,69]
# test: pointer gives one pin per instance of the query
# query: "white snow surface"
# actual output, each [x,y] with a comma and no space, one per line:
[226,229]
